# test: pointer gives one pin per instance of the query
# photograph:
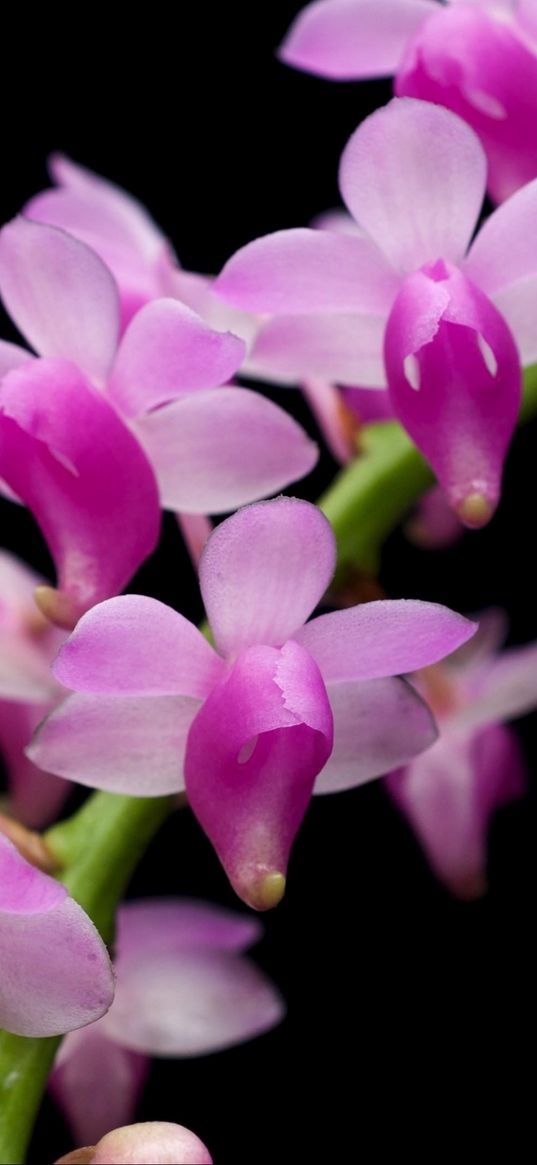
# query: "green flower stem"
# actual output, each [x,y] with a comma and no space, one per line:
[100,846]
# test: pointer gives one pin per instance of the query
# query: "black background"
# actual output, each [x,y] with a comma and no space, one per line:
[408,1012]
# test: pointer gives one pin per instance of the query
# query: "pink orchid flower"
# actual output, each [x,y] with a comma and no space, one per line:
[280,706]
[184,988]
[28,691]
[476,57]
[56,973]
[96,437]
[405,304]
[450,794]
[150,1143]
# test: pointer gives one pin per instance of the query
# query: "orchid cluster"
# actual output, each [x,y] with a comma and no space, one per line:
[137,387]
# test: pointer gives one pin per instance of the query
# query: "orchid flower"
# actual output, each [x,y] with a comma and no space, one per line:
[184,988]
[56,973]
[96,437]
[280,706]
[404,304]
[28,691]
[150,1143]
[477,57]
[450,794]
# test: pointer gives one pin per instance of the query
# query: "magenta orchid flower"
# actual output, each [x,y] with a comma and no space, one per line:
[184,988]
[28,691]
[56,973]
[95,438]
[476,57]
[281,706]
[150,1143]
[450,794]
[405,304]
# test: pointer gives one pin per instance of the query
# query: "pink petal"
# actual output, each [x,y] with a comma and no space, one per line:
[96,1083]
[191,1002]
[24,670]
[368,404]
[60,295]
[306,271]
[478,64]
[264,571]
[503,261]
[377,725]
[344,349]
[384,638]
[460,399]
[502,689]
[67,454]
[136,646]
[253,753]
[196,291]
[382,182]
[56,974]
[215,450]
[17,586]
[152,1143]
[350,40]
[126,744]
[327,405]
[434,526]
[168,350]
[11,356]
[163,926]
[35,797]
[449,796]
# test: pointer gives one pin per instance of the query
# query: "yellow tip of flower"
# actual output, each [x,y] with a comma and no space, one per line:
[268,891]
[475,510]
[56,606]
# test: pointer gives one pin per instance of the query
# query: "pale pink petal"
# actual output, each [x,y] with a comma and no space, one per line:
[151,1143]
[84,476]
[385,638]
[382,180]
[344,349]
[503,688]
[434,525]
[253,753]
[197,292]
[216,450]
[503,261]
[17,585]
[455,383]
[377,725]
[336,220]
[306,270]
[11,356]
[335,422]
[60,295]
[166,351]
[24,670]
[96,1083]
[35,797]
[56,973]
[126,744]
[350,40]
[263,572]
[165,926]
[196,530]
[135,646]
[488,640]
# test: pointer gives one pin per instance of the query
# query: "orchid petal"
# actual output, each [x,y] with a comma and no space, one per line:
[168,926]
[264,570]
[166,351]
[223,448]
[61,296]
[96,1083]
[11,356]
[384,638]
[344,349]
[24,671]
[382,182]
[56,974]
[35,797]
[126,744]
[377,725]
[150,1143]
[253,753]
[135,646]
[502,689]
[350,40]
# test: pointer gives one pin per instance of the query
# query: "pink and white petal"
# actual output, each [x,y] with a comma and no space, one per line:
[126,744]
[253,753]
[381,181]
[502,689]
[166,351]
[56,973]
[96,1083]
[24,670]
[196,291]
[162,926]
[377,725]
[305,270]
[11,356]
[385,638]
[149,1143]
[60,295]
[344,349]
[82,473]
[263,572]
[35,797]
[216,450]
[136,646]
[348,40]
